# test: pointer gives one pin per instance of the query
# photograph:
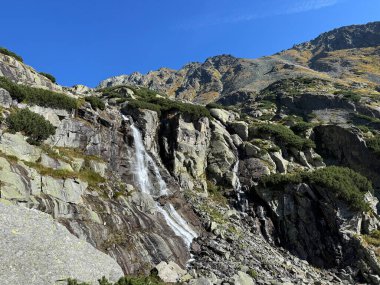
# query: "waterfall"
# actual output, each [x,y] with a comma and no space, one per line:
[144,162]
[237,186]
[242,201]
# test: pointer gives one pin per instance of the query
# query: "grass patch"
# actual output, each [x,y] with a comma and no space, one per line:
[373,238]
[216,193]
[253,273]
[91,177]
[11,53]
[10,158]
[366,119]
[71,152]
[31,124]
[212,213]
[345,183]
[282,135]
[374,144]
[38,96]
[349,95]
[96,102]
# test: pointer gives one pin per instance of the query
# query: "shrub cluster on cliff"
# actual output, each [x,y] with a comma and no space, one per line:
[38,96]
[49,76]
[282,135]
[127,280]
[11,53]
[31,124]
[345,183]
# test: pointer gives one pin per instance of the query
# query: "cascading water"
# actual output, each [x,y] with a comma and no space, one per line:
[242,201]
[144,162]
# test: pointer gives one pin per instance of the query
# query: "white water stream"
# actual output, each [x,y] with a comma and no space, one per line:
[242,201]
[144,162]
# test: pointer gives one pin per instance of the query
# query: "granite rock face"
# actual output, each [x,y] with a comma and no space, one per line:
[169,190]
[39,251]
[21,73]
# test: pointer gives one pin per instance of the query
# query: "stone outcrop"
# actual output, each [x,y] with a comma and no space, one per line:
[184,143]
[21,73]
[345,146]
[5,98]
[26,235]
[178,193]
[316,227]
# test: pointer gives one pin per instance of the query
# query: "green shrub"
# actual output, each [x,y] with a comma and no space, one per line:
[127,280]
[96,102]
[301,127]
[374,144]
[253,273]
[37,96]
[367,118]
[152,100]
[136,104]
[31,124]
[75,282]
[373,238]
[10,53]
[349,95]
[162,104]
[345,183]
[283,136]
[265,104]
[49,76]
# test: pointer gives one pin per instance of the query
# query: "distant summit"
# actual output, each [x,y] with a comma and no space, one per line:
[349,54]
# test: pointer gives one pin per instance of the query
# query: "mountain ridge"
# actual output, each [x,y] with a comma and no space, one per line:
[224,74]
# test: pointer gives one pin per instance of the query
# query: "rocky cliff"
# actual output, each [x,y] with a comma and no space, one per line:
[132,177]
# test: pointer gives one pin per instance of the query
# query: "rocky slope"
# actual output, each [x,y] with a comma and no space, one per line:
[349,54]
[252,192]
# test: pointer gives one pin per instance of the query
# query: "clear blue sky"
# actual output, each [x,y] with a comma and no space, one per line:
[86,41]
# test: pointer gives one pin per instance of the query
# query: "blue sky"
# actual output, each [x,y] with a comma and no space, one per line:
[86,41]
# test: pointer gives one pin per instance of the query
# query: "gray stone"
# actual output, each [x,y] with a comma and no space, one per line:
[98,167]
[16,145]
[169,272]
[5,98]
[54,116]
[281,163]
[39,251]
[242,278]
[240,128]
[223,116]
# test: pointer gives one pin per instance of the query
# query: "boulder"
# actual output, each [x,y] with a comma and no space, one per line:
[169,272]
[223,116]
[17,146]
[237,140]
[5,98]
[222,154]
[240,128]
[281,163]
[98,167]
[39,251]
[242,278]
[251,150]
